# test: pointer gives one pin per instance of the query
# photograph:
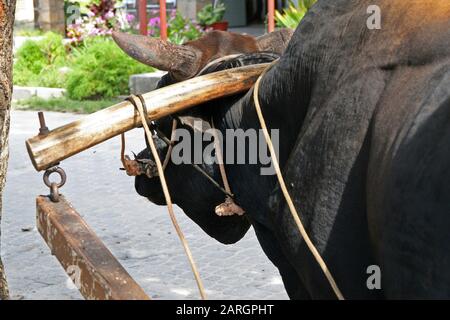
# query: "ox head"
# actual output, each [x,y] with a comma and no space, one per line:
[185,61]
[189,189]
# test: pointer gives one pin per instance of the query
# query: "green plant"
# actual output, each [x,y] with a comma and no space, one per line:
[83,5]
[101,70]
[96,69]
[210,14]
[38,62]
[181,29]
[291,17]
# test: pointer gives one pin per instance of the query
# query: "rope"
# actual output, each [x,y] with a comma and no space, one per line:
[170,146]
[219,155]
[285,191]
[122,150]
[228,207]
[139,106]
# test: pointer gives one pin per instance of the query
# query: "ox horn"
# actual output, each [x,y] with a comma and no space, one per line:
[276,41]
[182,61]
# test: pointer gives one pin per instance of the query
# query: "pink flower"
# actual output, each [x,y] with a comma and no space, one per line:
[93,32]
[109,15]
[129,17]
[153,22]
[99,20]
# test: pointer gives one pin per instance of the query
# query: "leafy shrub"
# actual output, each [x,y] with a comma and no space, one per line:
[30,57]
[179,28]
[83,5]
[101,70]
[291,17]
[37,62]
[210,14]
[96,69]
[52,77]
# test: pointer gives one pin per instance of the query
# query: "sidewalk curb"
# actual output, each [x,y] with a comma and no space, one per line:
[20,93]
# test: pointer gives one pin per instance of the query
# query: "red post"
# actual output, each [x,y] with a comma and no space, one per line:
[143,17]
[163,19]
[271,15]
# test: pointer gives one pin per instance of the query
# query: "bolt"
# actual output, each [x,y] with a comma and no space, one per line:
[43,130]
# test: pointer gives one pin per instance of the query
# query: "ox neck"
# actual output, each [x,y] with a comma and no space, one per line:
[283,111]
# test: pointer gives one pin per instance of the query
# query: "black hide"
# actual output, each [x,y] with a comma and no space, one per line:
[365,146]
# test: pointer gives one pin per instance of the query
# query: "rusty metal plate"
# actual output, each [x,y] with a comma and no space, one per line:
[95,271]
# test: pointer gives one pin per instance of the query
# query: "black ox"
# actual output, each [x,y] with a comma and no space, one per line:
[364,119]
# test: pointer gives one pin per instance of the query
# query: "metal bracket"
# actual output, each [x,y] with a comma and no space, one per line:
[54,187]
[43,130]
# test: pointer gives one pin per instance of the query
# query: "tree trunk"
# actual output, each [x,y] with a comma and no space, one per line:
[7,9]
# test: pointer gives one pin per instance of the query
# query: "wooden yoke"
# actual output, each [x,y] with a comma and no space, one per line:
[68,140]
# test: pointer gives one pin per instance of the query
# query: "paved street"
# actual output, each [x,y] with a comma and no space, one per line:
[138,233]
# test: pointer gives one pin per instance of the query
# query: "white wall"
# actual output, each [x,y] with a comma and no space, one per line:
[24,11]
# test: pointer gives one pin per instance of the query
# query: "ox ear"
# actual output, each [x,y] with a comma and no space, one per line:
[181,61]
[276,41]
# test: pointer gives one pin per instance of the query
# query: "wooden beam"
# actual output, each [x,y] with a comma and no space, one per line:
[63,142]
[163,19]
[271,15]
[96,272]
[143,21]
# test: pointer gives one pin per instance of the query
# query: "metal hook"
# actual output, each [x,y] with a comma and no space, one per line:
[59,171]
[54,187]
[54,192]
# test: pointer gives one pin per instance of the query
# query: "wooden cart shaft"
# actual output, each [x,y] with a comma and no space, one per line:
[94,270]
